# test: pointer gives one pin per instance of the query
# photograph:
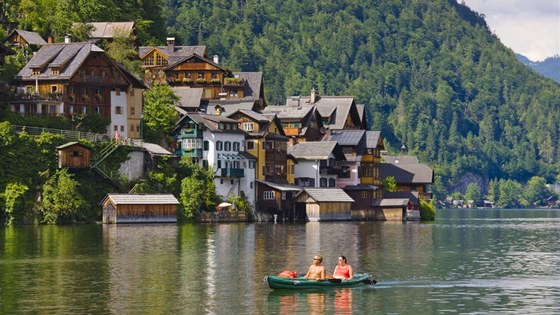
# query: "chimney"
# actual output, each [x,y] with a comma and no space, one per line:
[170,44]
[67,39]
[314,94]
[216,59]
[50,39]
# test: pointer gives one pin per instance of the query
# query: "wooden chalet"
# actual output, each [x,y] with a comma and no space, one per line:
[336,112]
[265,140]
[143,208]
[325,204]
[74,155]
[21,38]
[79,78]
[300,123]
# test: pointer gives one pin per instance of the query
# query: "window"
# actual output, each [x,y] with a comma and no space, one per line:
[115,127]
[36,71]
[248,126]
[268,195]
[118,91]
[76,153]
[252,164]
[122,128]
[206,145]
[132,110]
[268,145]
[118,110]
[323,182]
[364,194]
[214,75]
[219,164]
[250,145]
[332,182]
[218,145]
[159,60]
[283,195]
[201,75]
[189,144]
[227,146]
[236,146]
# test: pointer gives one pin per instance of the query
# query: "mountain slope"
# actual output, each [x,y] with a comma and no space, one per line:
[432,75]
[549,68]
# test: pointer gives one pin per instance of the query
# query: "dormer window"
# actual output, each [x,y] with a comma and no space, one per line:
[36,71]
[55,71]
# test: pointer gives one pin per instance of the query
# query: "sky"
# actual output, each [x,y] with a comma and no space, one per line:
[528,27]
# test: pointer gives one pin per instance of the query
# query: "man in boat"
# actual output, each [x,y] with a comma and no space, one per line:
[343,270]
[316,271]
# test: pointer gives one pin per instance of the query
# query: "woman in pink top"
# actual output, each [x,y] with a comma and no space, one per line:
[343,270]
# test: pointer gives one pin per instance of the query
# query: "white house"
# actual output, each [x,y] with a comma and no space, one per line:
[317,163]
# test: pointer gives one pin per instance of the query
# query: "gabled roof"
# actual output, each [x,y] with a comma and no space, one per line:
[253,88]
[372,139]
[68,57]
[406,172]
[104,30]
[142,199]
[338,108]
[176,60]
[209,121]
[279,187]
[286,113]
[316,150]
[188,97]
[229,106]
[32,38]
[69,144]
[346,137]
[176,53]
[326,194]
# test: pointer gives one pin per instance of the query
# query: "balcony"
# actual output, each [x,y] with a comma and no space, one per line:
[49,97]
[340,171]
[232,172]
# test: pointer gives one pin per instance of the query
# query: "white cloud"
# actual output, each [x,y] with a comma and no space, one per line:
[531,28]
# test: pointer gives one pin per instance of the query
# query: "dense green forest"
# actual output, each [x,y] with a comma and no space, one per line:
[432,75]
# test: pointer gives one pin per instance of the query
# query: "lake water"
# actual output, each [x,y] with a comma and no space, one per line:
[467,261]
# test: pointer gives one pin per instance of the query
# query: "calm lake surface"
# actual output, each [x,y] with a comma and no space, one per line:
[467,261]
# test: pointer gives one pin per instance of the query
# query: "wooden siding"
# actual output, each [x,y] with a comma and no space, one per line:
[142,213]
[328,211]
[75,156]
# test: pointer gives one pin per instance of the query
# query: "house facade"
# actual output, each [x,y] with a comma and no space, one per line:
[79,78]
[317,163]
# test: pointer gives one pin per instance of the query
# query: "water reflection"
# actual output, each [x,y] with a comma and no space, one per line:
[465,262]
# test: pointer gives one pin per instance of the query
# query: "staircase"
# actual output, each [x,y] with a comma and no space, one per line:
[233,187]
[97,162]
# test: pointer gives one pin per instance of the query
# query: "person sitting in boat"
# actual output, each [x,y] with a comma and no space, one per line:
[316,271]
[343,270]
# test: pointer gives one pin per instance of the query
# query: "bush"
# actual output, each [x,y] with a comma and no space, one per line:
[427,211]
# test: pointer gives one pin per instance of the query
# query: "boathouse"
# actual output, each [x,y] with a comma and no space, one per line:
[141,208]
[325,204]
[73,155]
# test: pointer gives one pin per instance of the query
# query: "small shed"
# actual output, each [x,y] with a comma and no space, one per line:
[140,208]
[326,204]
[74,155]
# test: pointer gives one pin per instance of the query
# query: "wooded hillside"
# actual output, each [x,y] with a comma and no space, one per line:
[432,75]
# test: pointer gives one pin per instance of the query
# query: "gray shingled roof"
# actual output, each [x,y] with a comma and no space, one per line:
[69,144]
[415,173]
[188,97]
[229,106]
[110,29]
[253,84]
[326,106]
[372,138]
[312,150]
[327,194]
[69,57]
[279,187]
[177,53]
[346,137]
[147,199]
[32,38]
[286,113]
[390,202]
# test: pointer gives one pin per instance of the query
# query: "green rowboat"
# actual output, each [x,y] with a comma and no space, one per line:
[276,282]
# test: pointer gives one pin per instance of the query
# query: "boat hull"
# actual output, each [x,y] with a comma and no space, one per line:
[275,282]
